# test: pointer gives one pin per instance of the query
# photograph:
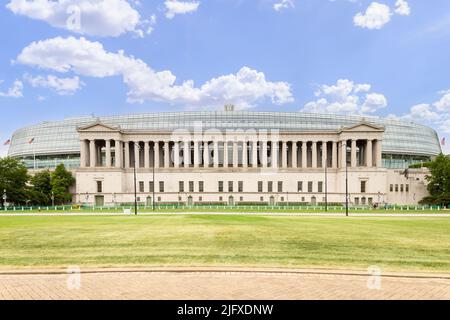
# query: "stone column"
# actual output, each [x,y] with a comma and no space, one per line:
[244,154]
[83,154]
[176,157]
[264,154]
[92,154]
[196,154]
[353,154]
[275,150]
[108,153]
[119,153]
[166,154]
[205,154]
[156,154]
[334,159]
[314,154]
[235,154]
[127,155]
[284,155]
[216,154]
[369,155]
[294,154]
[343,154]
[187,153]
[137,158]
[255,154]
[304,154]
[225,154]
[146,154]
[324,154]
[379,162]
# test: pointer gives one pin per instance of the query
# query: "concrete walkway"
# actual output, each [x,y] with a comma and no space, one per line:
[219,283]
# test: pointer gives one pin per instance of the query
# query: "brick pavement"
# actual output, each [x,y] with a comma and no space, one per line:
[216,284]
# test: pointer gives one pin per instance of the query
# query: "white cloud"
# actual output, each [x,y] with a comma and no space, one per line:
[86,58]
[443,104]
[375,17]
[175,7]
[63,86]
[283,4]
[88,17]
[16,91]
[422,112]
[346,97]
[402,8]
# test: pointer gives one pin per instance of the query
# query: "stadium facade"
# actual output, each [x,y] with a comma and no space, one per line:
[233,157]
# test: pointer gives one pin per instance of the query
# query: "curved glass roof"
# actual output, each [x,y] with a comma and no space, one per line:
[61,137]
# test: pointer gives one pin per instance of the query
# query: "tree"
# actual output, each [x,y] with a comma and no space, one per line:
[61,181]
[41,188]
[13,179]
[439,182]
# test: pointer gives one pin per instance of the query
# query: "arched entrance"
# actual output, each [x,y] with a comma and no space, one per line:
[272,201]
[314,201]
[149,201]
[231,201]
[190,201]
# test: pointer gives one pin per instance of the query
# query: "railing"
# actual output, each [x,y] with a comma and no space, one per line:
[244,208]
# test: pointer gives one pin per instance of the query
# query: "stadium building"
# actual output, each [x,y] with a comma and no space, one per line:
[233,157]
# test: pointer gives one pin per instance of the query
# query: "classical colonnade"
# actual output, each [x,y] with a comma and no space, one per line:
[232,154]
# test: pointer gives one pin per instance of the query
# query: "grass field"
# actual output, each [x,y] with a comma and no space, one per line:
[409,244]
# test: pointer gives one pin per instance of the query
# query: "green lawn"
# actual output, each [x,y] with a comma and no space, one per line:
[410,244]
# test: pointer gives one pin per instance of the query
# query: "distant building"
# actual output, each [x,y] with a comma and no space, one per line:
[234,157]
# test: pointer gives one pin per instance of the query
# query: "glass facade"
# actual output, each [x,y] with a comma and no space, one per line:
[58,142]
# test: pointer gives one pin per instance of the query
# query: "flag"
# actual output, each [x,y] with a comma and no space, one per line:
[7,142]
[31,141]
[443,141]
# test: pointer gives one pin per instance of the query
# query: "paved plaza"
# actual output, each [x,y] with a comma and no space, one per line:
[213,283]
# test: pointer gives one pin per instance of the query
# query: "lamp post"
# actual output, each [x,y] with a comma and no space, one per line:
[326,185]
[135,186]
[5,197]
[346,181]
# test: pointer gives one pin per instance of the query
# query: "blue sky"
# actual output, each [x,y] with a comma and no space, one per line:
[79,57]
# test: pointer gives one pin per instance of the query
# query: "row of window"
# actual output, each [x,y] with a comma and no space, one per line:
[399,187]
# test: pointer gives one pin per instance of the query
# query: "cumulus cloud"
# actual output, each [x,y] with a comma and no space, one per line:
[283,4]
[16,91]
[443,105]
[402,8]
[63,86]
[346,97]
[174,7]
[87,58]
[375,17]
[102,18]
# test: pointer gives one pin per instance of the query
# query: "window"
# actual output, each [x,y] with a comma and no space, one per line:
[99,186]
[141,186]
[396,188]
[303,199]
[282,199]
[357,201]
[151,186]
[391,188]
[201,186]
[230,186]
[280,186]
[300,186]
[191,186]
[401,188]
[310,186]
[260,186]
[241,186]
[161,186]
[181,186]
[261,199]
[370,201]
[270,186]
[363,201]
[363,186]
[407,187]
[320,186]
[159,199]
[220,187]
[220,199]
[200,199]
[241,199]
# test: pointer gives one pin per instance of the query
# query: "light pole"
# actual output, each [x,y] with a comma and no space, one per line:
[346,181]
[5,197]
[326,185]
[135,186]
